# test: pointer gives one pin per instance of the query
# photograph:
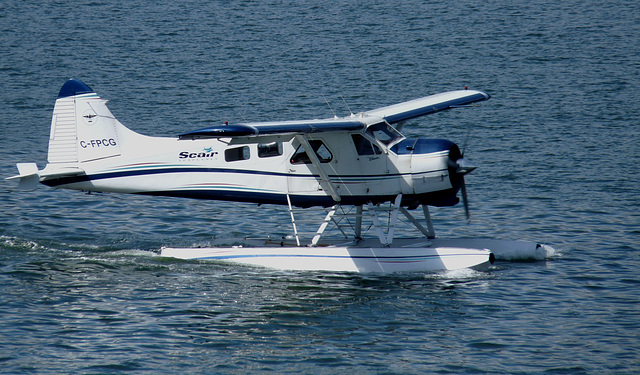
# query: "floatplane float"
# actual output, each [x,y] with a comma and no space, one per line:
[361,161]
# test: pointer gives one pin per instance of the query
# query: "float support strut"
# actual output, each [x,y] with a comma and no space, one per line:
[293,221]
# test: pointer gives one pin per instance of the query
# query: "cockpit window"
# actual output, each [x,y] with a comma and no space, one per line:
[363,146]
[384,133]
[323,153]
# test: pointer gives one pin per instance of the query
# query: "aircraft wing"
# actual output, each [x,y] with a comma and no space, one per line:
[274,128]
[427,105]
[392,114]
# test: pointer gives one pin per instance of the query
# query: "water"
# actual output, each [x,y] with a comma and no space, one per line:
[82,289]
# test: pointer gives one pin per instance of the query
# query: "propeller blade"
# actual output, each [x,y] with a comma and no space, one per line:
[465,199]
[459,168]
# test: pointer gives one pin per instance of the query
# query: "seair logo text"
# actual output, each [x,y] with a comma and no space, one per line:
[197,155]
[97,143]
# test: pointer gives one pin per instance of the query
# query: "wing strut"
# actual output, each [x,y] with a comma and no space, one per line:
[316,162]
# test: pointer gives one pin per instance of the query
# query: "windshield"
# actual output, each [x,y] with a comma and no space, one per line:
[385,133]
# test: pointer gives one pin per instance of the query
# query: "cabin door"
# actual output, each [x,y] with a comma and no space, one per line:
[372,171]
[303,176]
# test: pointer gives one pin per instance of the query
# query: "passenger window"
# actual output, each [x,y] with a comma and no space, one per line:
[237,153]
[323,153]
[267,150]
[363,146]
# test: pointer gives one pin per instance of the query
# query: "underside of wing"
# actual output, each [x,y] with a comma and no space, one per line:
[427,105]
[274,128]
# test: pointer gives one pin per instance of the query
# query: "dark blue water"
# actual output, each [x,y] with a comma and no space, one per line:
[82,289]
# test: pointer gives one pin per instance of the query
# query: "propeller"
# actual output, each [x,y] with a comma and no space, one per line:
[465,200]
[461,167]
[464,167]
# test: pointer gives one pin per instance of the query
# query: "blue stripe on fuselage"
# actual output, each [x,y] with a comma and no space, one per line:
[142,172]
[438,198]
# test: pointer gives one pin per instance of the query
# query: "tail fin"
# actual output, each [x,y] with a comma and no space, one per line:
[82,127]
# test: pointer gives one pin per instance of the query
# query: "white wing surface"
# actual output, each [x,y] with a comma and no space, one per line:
[427,105]
[392,114]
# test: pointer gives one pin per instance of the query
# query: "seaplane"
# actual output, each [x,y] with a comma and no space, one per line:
[360,169]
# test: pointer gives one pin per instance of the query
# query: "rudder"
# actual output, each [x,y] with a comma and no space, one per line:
[82,127]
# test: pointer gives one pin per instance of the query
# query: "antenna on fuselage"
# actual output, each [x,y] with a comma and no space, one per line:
[466,138]
[329,105]
[240,111]
[345,103]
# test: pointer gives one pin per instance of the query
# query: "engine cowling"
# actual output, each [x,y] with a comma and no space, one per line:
[437,169]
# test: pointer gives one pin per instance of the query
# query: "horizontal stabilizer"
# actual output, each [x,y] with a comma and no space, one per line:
[28,175]
[61,172]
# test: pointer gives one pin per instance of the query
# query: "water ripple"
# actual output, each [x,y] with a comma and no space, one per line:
[83,290]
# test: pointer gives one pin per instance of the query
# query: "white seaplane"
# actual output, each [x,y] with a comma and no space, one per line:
[361,161]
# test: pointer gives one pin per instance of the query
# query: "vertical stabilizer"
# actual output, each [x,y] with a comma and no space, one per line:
[62,139]
[82,127]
